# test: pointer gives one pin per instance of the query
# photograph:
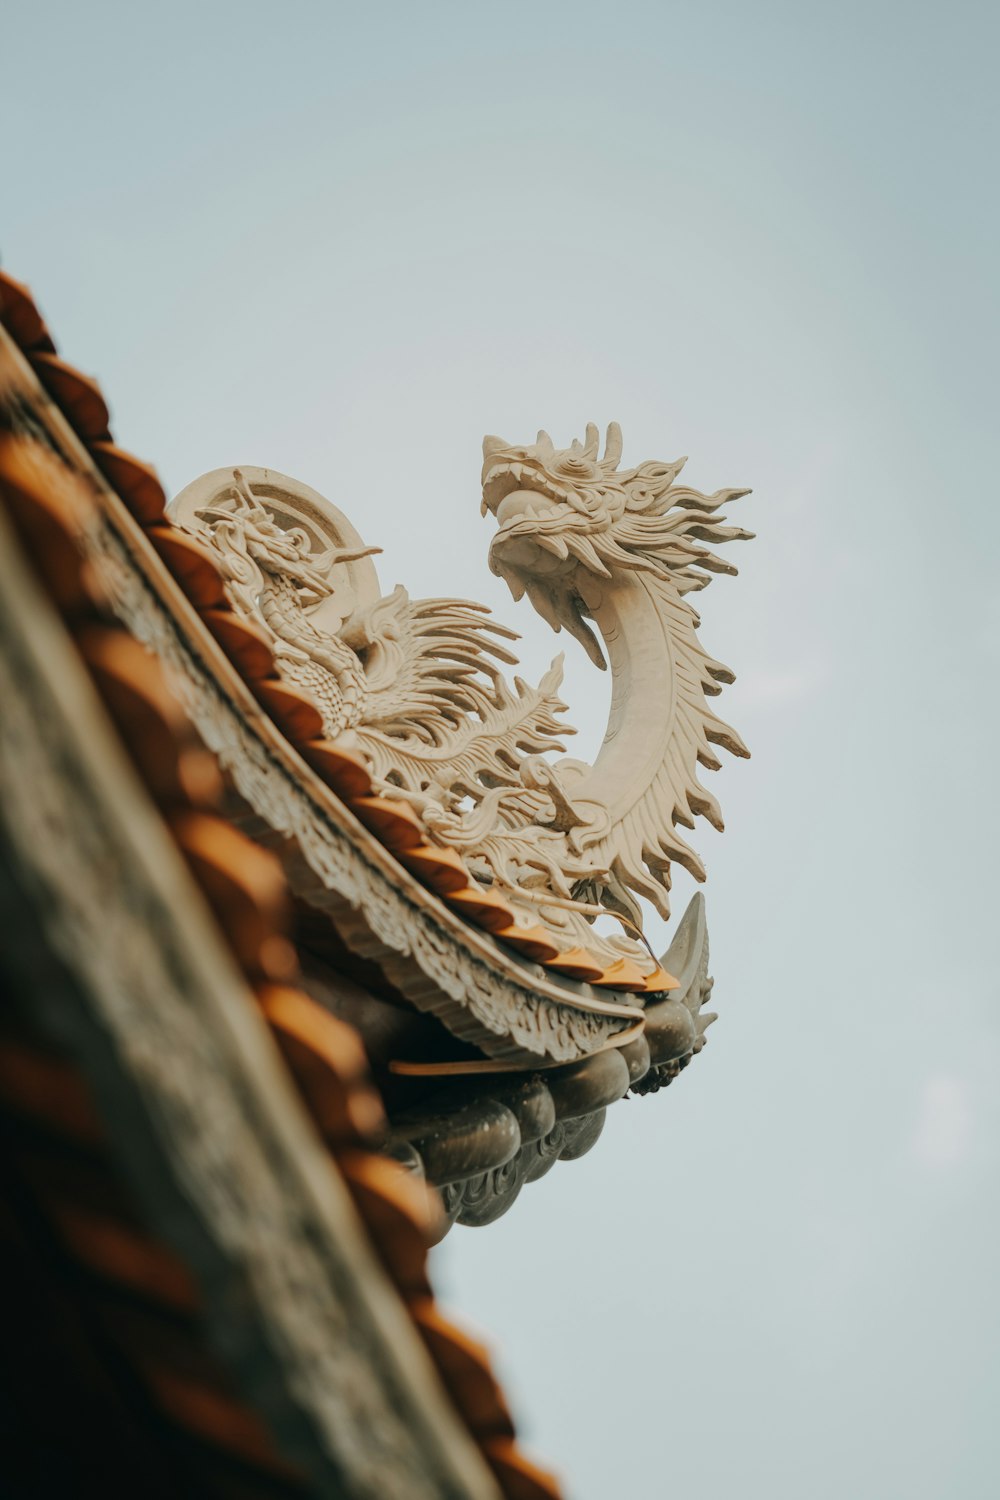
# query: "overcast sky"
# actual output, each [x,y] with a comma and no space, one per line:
[346,241]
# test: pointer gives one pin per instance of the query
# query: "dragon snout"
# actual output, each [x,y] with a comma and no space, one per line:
[523,503]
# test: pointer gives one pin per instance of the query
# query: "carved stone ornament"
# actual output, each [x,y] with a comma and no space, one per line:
[416,686]
[559,1115]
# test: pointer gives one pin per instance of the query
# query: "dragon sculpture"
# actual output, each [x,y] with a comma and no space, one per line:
[416,686]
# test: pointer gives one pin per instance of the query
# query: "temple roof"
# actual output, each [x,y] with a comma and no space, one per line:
[254,933]
[198,1139]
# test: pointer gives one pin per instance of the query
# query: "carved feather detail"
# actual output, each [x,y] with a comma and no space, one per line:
[479,749]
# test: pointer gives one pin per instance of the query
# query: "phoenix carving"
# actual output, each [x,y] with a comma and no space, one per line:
[610,555]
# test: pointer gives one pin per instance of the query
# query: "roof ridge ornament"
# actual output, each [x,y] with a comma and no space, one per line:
[416,685]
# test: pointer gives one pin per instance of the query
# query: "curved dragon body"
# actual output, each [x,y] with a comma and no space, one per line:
[585,541]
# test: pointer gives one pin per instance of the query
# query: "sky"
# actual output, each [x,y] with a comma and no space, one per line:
[345,242]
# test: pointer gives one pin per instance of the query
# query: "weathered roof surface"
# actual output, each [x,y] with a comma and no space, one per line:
[213,907]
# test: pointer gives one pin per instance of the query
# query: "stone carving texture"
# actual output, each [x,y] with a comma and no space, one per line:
[417,685]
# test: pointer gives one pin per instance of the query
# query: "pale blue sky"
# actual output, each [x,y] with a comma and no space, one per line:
[345,242]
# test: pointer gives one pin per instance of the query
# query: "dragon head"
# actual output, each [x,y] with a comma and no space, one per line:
[569,518]
[250,542]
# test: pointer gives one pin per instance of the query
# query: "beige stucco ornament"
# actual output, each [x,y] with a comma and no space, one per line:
[416,686]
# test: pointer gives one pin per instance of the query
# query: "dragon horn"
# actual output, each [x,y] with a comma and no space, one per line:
[593,440]
[612,447]
[242,490]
